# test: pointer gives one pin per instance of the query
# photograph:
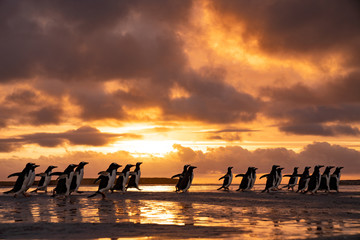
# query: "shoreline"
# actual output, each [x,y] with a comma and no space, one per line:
[151,181]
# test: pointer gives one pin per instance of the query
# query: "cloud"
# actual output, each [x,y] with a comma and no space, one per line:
[298,27]
[326,109]
[85,135]
[321,130]
[228,134]
[70,54]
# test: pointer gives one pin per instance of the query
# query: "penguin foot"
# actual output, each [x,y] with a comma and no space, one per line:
[26,194]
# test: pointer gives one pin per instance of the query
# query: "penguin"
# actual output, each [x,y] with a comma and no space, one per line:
[271,179]
[278,178]
[45,179]
[304,180]
[253,178]
[31,176]
[123,178]
[335,179]
[135,177]
[180,176]
[325,179]
[107,180]
[78,177]
[292,180]
[64,181]
[187,180]
[314,182]
[21,184]
[246,180]
[227,180]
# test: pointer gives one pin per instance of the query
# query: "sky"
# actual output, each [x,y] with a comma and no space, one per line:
[167,83]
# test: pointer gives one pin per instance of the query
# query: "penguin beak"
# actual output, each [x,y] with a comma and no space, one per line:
[36,166]
[86,163]
[320,166]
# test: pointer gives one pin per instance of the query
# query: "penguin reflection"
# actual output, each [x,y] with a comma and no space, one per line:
[106,211]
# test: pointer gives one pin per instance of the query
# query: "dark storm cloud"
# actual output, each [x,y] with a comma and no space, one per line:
[135,43]
[212,100]
[24,106]
[299,26]
[85,135]
[87,39]
[22,97]
[321,130]
[327,109]
[46,115]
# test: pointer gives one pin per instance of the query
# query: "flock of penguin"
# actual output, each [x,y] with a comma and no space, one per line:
[307,183]
[69,180]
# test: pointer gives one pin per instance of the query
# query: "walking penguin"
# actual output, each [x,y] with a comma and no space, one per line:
[227,179]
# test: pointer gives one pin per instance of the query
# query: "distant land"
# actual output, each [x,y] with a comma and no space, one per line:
[150,181]
[90,181]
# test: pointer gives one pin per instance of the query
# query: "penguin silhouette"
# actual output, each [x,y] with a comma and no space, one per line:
[227,179]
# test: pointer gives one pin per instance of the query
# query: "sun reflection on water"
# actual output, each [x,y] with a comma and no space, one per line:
[258,221]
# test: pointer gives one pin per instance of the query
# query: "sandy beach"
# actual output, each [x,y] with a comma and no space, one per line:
[158,212]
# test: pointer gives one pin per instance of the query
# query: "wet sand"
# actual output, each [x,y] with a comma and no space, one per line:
[197,214]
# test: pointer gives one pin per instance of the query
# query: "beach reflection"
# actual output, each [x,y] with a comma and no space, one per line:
[258,221]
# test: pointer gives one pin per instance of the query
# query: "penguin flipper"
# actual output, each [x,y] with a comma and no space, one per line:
[266,175]
[240,175]
[96,180]
[177,175]
[222,177]
[14,174]
[288,175]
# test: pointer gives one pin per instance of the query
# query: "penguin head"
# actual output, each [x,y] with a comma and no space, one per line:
[254,168]
[138,164]
[229,168]
[192,167]
[307,168]
[186,167]
[29,165]
[113,166]
[52,167]
[128,166]
[81,164]
[296,168]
